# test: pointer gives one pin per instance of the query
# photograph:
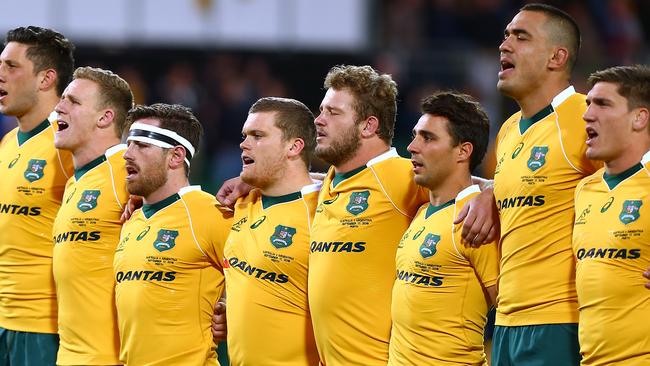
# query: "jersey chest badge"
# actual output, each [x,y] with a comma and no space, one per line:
[428,246]
[358,202]
[537,157]
[630,211]
[165,240]
[88,200]
[34,170]
[283,236]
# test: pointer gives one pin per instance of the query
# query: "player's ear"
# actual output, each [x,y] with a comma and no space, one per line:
[369,126]
[559,59]
[295,147]
[48,78]
[177,157]
[106,119]
[465,152]
[641,119]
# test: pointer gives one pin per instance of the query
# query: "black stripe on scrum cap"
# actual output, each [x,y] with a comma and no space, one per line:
[159,137]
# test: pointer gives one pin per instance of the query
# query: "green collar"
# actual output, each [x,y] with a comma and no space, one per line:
[613,180]
[78,173]
[340,177]
[431,209]
[268,201]
[150,210]
[525,123]
[24,136]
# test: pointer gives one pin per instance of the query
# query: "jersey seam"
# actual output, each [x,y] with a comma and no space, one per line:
[559,131]
[463,317]
[381,186]
[453,237]
[189,217]
[308,216]
[110,171]
[58,155]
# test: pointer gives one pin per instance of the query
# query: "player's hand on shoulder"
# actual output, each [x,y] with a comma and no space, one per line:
[646,274]
[219,325]
[481,219]
[231,190]
[134,203]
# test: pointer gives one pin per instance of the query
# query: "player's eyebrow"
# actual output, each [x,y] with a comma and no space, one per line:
[599,101]
[423,133]
[516,32]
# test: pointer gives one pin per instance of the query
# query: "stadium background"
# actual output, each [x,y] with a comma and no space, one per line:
[219,56]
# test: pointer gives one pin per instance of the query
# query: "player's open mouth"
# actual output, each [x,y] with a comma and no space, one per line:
[416,165]
[246,160]
[3,93]
[506,66]
[61,125]
[591,135]
[131,171]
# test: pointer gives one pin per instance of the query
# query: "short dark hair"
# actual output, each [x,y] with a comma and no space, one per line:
[633,83]
[173,117]
[294,119]
[562,29]
[468,122]
[48,49]
[113,91]
[375,95]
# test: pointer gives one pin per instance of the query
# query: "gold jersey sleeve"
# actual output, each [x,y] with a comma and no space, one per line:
[168,274]
[358,223]
[267,256]
[86,233]
[34,175]
[439,307]
[611,242]
[538,168]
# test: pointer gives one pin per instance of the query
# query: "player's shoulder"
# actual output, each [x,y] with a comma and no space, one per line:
[202,203]
[311,191]
[510,125]
[570,112]
[115,161]
[11,134]
[390,160]
[575,103]
[591,180]
[253,197]
[115,154]
[467,194]
[511,121]
[195,196]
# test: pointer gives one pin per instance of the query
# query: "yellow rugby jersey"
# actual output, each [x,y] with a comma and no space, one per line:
[611,242]
[86,233]
[266,280]
[359,221]
[168,274]
[439,307]
[539,163]
[34,175]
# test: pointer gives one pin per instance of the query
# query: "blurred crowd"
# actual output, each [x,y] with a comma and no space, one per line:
[425,44]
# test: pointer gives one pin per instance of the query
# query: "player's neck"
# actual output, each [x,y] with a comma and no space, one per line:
[368,150]
[539,98]
[632,156]
[450,187]
[291,181]
[173,185]
[40,111]
[92,150]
